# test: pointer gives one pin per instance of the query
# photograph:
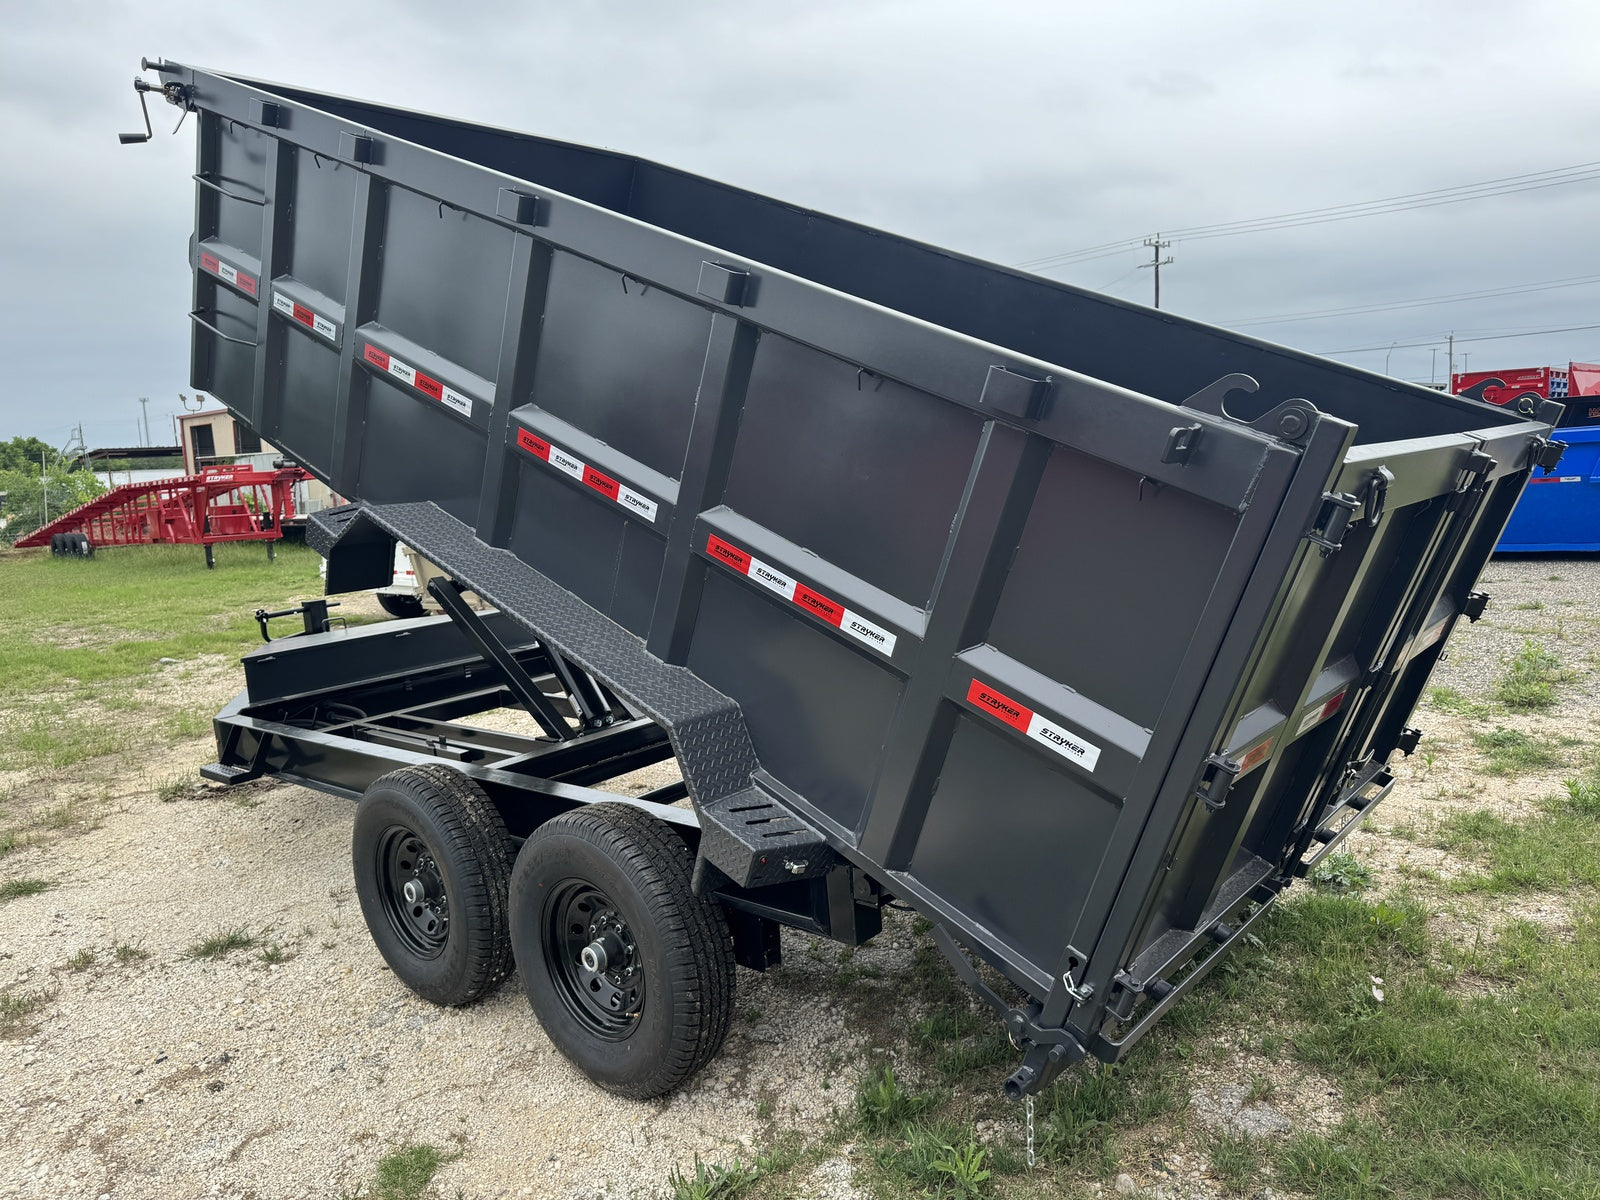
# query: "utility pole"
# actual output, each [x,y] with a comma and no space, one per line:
[1433,366]
[144,403]
[1156,247]
[1450,379]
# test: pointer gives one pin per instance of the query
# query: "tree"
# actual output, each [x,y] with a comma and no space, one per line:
[22,454]
[26,493]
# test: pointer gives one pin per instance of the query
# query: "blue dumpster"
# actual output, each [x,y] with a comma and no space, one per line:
[1561,510]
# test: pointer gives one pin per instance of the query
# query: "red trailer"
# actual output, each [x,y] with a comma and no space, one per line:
[220,504]
[1577,386]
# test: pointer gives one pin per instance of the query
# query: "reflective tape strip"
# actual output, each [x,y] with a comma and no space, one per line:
[313,321]
[1042,729]
[636,503]
[1321,713]
[426,384]
[229,273]
[863,629]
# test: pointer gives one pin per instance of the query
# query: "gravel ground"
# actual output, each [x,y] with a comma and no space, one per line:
[164,1076]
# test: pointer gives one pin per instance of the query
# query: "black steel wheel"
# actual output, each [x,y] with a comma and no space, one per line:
[432,866]
[400,606]
[629,972]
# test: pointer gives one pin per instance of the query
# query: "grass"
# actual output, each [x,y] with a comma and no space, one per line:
[274,953]
[1453,1092]
[1529,682]
[15,889]
[81,635]
[712,1182]
[82,684]
[1511,752]
[220,945]
[1341,871]
[883,1106]
[16,1005]
[1236,1161]
[404,1174]
[82,960]
[1448,699]
[1557,849]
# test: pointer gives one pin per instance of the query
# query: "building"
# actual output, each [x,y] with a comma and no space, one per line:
[215,437]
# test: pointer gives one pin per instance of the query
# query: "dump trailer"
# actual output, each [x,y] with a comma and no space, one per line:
[1080,628]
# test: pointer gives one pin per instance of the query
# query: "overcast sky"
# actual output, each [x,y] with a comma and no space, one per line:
[1009,131]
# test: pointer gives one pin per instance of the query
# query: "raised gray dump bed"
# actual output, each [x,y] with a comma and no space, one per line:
[1081,628]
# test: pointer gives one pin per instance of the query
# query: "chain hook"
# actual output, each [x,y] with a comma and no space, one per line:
[1028,1108]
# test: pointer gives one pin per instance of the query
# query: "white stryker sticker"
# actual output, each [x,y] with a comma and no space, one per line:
[642,505]
[454,399]
[864,630]
[1068,745]
[1307,721]
[775,580]
[563,461]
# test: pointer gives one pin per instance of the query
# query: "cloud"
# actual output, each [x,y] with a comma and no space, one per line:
[1009,131]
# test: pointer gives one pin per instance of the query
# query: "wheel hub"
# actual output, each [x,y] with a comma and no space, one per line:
[412,892]
[593,959]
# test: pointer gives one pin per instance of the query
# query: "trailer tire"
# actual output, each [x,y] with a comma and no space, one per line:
[432,864]
[399,606]
[626,873]
[55,543]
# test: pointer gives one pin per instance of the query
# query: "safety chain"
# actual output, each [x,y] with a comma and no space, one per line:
[1028,1106]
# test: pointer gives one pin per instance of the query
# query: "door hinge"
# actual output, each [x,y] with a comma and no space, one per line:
[1408,739]
[1332,520]
[1476,603]
[1216,780]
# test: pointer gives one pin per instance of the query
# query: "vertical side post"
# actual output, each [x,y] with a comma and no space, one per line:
[513,384]
[989,523]
[275,236]
[360,306]
[205,225]
[724,379]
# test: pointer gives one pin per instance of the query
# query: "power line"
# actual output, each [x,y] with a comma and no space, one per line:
[1577,173]
[1486,337]
[1502,186]
[1420,302]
